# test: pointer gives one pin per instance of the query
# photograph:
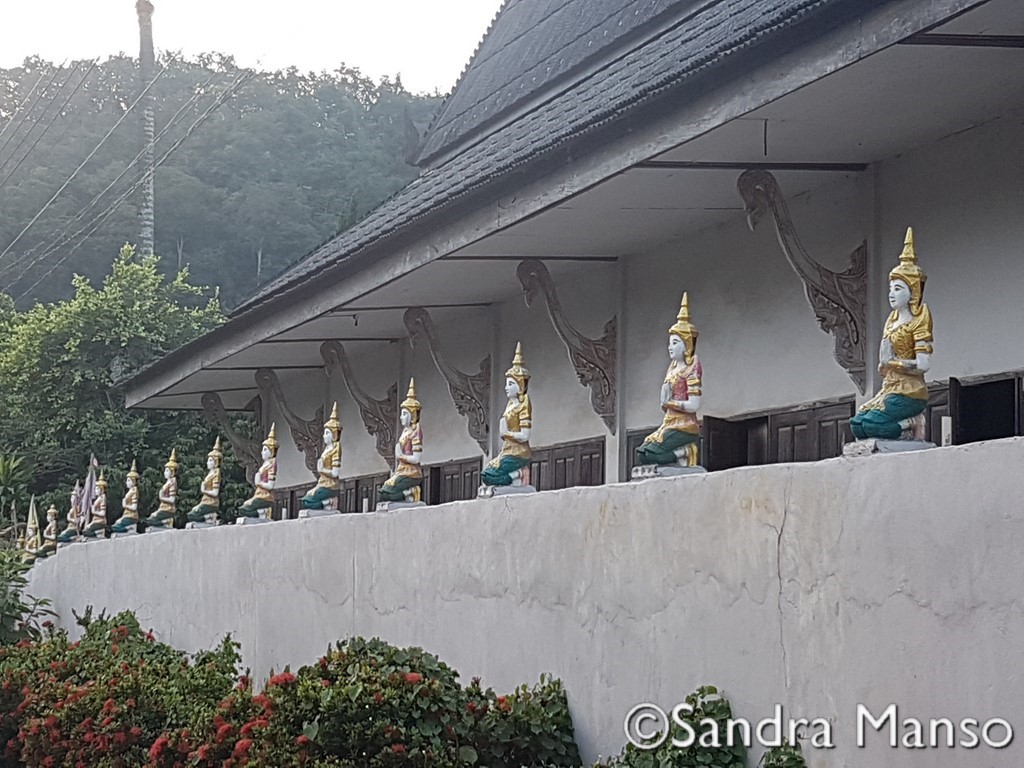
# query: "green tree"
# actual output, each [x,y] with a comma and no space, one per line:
[15,476]
[59,368]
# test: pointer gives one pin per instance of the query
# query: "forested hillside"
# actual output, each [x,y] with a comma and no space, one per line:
[287,160]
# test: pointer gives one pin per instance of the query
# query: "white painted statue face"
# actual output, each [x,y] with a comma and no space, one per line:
[328,437]
[511,387]
[899,295]
[406,417]
[676,348]
[167,473]
[211,463]
[265,453]
[129,482]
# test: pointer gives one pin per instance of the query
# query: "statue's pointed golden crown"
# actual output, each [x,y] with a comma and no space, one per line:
[133,473]
[333,423]
[216,452]
[271,441]
[411,403]
[518,371]
[172,463]
[910,272]
[102,482]
[683,328]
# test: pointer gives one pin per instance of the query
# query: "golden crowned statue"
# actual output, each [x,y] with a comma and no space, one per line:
[897,411]
[404,483]
[97,511]
[264,480]
[209,503]
[126,524]
[511,467]
[324,495]
[675,441]
[163,516]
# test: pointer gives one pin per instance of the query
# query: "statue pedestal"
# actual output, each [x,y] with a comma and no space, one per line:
[190,526]
[305,513]
[391,506]
[124,534]
[159,528]
[872,446]
[647,471]
[252,520]
[490,491]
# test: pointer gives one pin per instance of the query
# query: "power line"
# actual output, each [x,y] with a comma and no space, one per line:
[79,168]
[33,106]
[52,100]
[232,89]
[61,238]
[21,106]
[49,123]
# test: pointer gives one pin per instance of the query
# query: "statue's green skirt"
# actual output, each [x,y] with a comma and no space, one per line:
[884,424]
[199,512]
[315,498]
[664,452]
[394,489]
[123,525]
[252,507]
[500,475]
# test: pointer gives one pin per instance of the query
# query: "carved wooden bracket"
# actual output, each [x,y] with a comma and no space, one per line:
[307,434]
[379,416]
[246,449]
[839,299]
[471,394]
[593,359]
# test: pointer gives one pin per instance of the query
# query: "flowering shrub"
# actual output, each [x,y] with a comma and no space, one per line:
[367,704]
[117,698]
[105,699]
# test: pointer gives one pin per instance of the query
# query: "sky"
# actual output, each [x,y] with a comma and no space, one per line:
[427,43]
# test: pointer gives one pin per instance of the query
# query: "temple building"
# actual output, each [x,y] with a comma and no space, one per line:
[598,159]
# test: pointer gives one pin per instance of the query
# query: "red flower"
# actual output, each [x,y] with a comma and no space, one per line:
[243,683]
[136,731]
[149,636]
[413,677]
[222,733]
[203,751]
[398,749]
[377,697]
[301,740]
[471,706]
[242,747]
[113,649]
[158,748]
[282,679]
[106,721]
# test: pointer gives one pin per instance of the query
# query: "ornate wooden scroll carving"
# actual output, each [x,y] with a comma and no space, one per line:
[246,449]
[471,394]
[379,416]
[307,433]
[594,360]
[839,299]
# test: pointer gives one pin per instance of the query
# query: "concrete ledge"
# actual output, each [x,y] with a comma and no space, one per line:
[890,579]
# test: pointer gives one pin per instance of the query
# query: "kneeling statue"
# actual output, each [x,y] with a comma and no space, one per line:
[206,511]
[511,467]
[404,485]
[324,495]
[127,523]
[264,480]
[163,517]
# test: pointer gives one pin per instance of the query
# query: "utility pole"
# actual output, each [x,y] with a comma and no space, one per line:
[147,65]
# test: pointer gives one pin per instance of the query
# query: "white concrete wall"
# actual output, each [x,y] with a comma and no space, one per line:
[818,586]
[964,197]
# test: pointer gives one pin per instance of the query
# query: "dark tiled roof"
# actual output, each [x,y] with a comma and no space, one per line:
[531,45]
[719,30]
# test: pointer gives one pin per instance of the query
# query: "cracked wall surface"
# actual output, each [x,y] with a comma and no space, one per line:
[818,586]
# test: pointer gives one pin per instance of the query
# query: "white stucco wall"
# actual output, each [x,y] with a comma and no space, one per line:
[465,335]
[304,391]
[376,366]
[893,579]
[964,197]
[561,405]
[760,345]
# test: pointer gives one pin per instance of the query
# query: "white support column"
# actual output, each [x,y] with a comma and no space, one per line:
[877,305]
[499,360]
[621,458]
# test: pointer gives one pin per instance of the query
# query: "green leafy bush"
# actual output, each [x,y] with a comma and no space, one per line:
[707,705]
[784,757]
[20,614]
